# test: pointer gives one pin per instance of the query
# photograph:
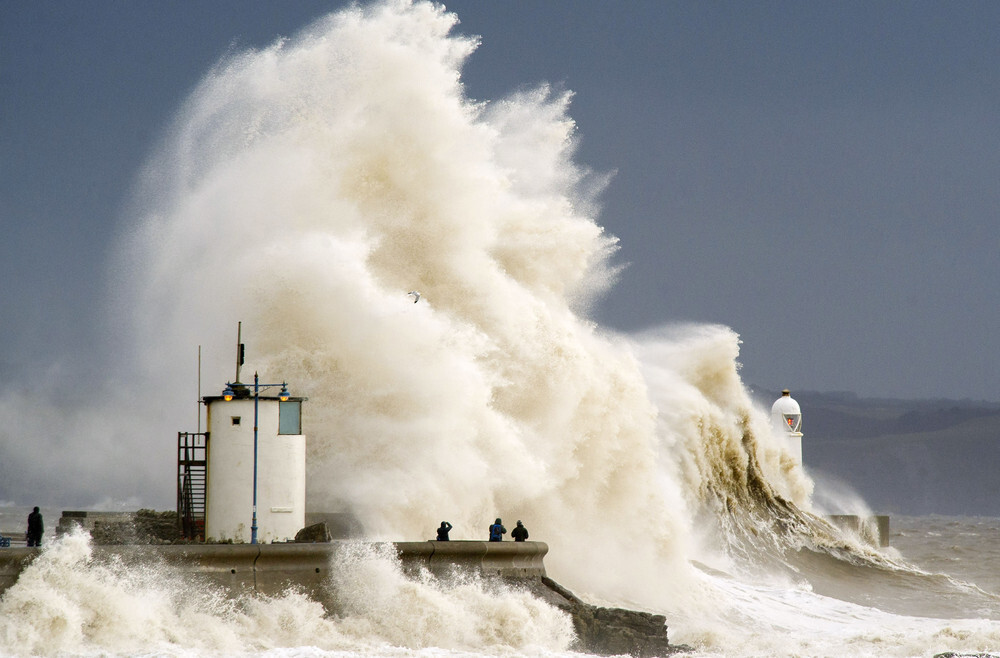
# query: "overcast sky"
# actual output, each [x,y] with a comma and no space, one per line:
[824,178]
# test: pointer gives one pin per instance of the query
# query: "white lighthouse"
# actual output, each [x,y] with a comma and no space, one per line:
[786,420]
[256,489]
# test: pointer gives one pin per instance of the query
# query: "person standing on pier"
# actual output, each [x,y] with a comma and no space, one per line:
[497,531]
[443,531]
[35,529]
[520,533]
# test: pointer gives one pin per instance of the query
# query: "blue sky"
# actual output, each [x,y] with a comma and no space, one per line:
[822,177]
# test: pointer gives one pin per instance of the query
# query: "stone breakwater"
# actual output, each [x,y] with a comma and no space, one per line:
[270,568]
[608,631]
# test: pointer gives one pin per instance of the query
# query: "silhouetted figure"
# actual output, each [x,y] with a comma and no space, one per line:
[497,531]
[520,533]
[443,531]
[35,529]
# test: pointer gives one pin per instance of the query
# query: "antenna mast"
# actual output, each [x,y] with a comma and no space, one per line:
[199,389]
[240,350]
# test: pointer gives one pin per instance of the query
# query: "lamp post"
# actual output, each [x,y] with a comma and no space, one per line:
[283,396]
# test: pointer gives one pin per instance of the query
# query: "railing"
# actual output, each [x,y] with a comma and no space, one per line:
[192,479]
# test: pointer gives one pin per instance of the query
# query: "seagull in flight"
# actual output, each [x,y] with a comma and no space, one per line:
[416,296]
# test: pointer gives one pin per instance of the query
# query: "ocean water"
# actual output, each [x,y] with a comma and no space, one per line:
[304,189]
[933,591]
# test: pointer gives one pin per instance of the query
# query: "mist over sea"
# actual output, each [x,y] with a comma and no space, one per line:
[304,189]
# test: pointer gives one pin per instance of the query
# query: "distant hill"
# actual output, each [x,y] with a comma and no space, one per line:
[904,456]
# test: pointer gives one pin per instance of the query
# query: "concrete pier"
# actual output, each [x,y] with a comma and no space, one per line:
[270,568]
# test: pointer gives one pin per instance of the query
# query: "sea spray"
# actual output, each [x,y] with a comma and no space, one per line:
[464,613]
[306,188]
[65,601]
[72,599]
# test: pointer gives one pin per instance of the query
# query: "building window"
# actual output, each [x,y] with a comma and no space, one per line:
[236,420]
[290,417]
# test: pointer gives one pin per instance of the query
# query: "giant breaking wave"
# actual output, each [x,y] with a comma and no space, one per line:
[305,188]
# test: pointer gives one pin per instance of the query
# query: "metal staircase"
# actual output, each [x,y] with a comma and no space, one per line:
[192,481]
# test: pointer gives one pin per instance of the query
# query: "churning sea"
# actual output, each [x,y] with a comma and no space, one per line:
[944,599]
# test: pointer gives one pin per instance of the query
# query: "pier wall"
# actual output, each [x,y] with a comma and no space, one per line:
[271,568]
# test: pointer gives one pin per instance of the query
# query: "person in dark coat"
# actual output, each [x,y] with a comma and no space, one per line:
[443,531]
[35,529]
[520,533]
[497,531]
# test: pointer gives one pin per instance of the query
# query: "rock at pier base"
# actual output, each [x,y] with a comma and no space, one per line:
[608,631]
[317,532]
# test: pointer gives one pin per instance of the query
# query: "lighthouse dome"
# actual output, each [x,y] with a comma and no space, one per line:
[785,413]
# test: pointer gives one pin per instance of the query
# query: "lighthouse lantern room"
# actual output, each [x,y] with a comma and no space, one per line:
[786,419]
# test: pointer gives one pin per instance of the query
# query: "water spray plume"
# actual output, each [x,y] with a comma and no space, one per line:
[303,186]
[326,172]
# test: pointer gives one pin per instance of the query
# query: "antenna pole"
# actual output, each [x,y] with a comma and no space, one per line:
[239,350]
[199,389]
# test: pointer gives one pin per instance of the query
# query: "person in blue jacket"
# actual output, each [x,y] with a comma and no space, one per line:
[497,531]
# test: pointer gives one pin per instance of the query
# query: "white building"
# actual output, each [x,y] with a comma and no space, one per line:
[274,473]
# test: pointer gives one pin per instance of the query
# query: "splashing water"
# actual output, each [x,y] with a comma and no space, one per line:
[69,601]
[304,189]
[464,615]
[66,602]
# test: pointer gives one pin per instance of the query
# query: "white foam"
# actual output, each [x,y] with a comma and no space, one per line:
[67,602]
[755,620]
